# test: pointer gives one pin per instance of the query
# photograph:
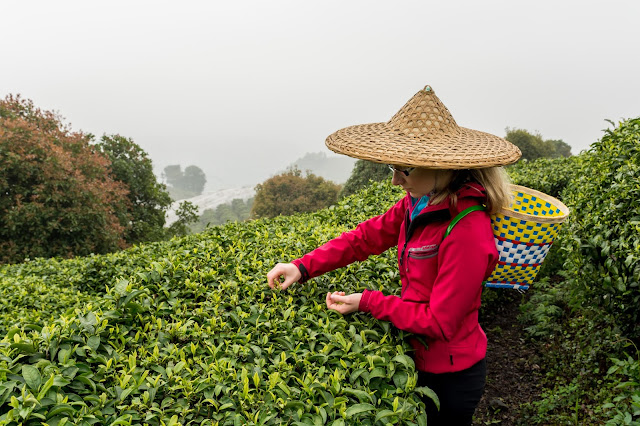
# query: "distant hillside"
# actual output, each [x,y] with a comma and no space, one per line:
[336,169]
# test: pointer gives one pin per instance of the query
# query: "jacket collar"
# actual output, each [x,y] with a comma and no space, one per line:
[471,191]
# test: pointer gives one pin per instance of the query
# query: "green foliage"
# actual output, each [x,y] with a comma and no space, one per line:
[38,298]
[290,193]
[148,199]
[534,147]
[575,352]
[57,195]
[194,179]
[548,175]
[362,174]
[187,214]
[185,184]
[603,253]
[625,406]
[558,148]
[236,211]
[586,318]
[546,311]
[187,330]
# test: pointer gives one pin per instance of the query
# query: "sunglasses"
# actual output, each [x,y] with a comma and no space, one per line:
[405,171]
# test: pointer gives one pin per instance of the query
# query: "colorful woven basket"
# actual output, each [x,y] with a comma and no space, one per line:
[524,233]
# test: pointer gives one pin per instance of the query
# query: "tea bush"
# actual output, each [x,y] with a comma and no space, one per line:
[603,253]
[587,322]
[548,175]
[188,332]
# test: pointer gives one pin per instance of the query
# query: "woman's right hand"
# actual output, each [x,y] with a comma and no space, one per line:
[288,271]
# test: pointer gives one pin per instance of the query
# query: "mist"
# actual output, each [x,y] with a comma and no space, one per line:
[243,89]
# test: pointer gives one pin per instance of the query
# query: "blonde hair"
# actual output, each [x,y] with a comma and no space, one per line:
[493,179]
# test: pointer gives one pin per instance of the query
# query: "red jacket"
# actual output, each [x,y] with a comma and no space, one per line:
[441,278]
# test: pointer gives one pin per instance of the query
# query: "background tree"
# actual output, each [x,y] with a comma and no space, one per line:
[57,194]
[187,214]
[559,148]
[290,193]
[236,211]
[363,172]
[172,174]
[148,199]
[534,147]
[185,184]
[194,179]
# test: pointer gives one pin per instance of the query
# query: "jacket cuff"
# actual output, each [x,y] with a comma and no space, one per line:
[303,271]
[364,301]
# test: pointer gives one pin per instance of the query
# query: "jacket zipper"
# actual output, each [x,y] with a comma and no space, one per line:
[428,217]
[408,220]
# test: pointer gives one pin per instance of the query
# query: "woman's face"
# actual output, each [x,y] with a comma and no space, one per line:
[419,182]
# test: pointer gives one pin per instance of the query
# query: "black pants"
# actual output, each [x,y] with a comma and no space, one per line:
[459,394]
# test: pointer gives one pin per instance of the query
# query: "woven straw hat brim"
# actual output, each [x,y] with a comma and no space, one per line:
[424,134]
[466,149]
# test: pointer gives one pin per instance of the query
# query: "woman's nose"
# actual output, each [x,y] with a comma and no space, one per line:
[397,178]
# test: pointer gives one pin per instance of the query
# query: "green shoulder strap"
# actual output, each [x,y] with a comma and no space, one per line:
[460,215]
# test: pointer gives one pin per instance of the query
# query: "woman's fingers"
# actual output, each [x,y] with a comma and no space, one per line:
[332,304]
[342,303]
[288,272]
[339,297]
[273,276]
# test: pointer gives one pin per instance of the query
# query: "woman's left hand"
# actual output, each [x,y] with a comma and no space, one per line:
[343,304]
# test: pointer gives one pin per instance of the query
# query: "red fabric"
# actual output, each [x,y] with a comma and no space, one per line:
[441,279]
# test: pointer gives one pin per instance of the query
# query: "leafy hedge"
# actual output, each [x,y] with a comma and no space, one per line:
[187,332]
[587,322]
[604,251]
[548,175]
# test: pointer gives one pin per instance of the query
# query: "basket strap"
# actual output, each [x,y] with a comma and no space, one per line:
[460,215]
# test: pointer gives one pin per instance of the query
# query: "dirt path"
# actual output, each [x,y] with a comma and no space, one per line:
[512,375]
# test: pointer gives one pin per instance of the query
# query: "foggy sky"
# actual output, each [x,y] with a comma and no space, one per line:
[243,88]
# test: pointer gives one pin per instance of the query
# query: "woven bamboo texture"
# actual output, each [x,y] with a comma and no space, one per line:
[423,134]
[524,233]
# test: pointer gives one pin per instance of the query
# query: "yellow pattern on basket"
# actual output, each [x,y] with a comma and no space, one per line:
[524,233]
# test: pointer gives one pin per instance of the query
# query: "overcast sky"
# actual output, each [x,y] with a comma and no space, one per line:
[243,88]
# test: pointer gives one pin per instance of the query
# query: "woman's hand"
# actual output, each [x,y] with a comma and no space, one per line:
[343,304]
[288,271]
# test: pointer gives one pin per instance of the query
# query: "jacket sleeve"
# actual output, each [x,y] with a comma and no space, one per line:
[372,236]
[466,257]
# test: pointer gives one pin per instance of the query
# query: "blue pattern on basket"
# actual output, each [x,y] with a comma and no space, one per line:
[522,244]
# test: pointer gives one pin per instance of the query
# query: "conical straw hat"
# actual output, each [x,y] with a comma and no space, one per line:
[423,134]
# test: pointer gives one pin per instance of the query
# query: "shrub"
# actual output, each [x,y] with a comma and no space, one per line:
[548,175]
[148,199]
[237,210]
[361,176]
[58,198]
[586,323]
[187,330]
[603,251]
[533,146]
[290,193]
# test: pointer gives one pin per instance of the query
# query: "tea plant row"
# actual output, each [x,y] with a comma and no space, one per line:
[188,332]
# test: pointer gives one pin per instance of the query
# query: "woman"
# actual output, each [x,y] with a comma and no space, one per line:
[445,169]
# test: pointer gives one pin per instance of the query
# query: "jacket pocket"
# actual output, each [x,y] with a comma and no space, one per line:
[424,252]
